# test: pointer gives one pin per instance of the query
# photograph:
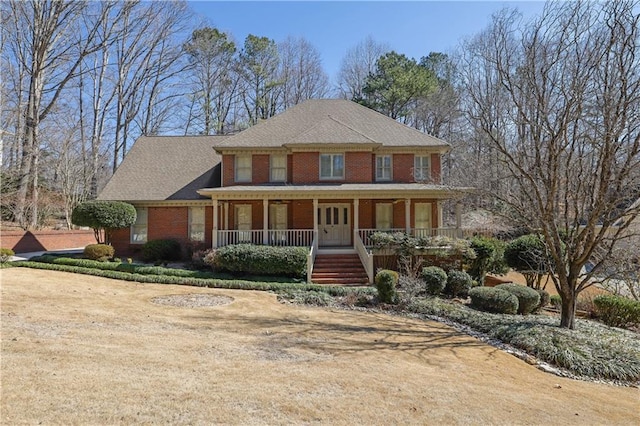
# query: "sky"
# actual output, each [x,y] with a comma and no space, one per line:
[413,28]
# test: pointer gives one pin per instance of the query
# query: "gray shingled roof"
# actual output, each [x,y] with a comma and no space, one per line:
[166,168]
[322,121]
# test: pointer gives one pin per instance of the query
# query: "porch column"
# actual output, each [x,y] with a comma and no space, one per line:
[315,217]
[225,208]
[214,232]
[440,218]
[459,219]
[356,221]
[265,221]
[407,215]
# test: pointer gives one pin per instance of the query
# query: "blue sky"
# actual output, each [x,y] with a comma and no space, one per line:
[414,28]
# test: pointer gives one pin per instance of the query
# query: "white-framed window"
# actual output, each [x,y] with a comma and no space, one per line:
[139,228]
[384,216]
[196,223]
[243,222]
[243,168]
[383,167]
[331,166]
[278,216]
[278,168]
[421,168]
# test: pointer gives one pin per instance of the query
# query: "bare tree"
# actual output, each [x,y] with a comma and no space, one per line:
[358,63]
[301,72]
[559,101]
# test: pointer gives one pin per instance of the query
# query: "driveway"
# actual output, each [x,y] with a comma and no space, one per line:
[88,350]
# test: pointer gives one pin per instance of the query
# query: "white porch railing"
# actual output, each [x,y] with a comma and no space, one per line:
[365,234]
[366,257]
[280,237]
[311,257]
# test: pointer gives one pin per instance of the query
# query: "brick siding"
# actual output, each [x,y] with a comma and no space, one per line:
[27,241]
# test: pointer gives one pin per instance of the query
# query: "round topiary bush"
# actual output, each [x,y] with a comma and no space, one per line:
[161,250]
[435,280]
[104,216]
[100,252]
[386,282]
[458,284]
[493,299]
[528,298]
[545,299]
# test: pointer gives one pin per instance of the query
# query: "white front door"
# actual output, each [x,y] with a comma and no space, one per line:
[334,225]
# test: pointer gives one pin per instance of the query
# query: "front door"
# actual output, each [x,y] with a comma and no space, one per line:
[334,225]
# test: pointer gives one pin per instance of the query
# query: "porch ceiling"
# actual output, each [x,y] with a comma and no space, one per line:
[335,191]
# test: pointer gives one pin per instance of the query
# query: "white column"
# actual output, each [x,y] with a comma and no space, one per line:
[265,221]
[356,219]
[458,219]
[440,218]
[407,215]
[225,208]
[214,232]
[315,216]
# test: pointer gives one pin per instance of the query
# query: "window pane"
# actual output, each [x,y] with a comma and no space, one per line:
[336,220]
[325,165]
[338,165]
[327,216]
[319,217]
[278,168]
[345,215]
[139,228]
[384,214]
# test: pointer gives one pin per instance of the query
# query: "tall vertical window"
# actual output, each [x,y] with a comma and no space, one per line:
[139,228]
[421,168]
[331,166]
[243,168]
[196,223]
[383,167]
[278,216]
[384,216]
[278,168]
[423,219]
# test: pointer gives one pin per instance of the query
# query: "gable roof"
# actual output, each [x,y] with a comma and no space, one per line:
[166,168]
[329,121]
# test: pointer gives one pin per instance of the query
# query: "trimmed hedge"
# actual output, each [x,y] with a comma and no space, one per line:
[435,280]
[458,284]
[161,250]
[197,282]
[99,251]
[263,260]
[386,281]
[493,299]
[528,298]
[617,311]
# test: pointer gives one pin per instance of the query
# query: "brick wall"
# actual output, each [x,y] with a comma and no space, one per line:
[305,167]
[260,164]
[27,241]
[228,170]
[358,167]
[302,214]
[403,168]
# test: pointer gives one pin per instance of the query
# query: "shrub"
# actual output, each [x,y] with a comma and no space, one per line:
[161,250]
[528,298]
[556,301]
[104,216]
[262,260]
[386,281]
[435,279]
[489,258]
[99,252]
[545,299]
[458,284]
[527,255]
[493,299]
[6,254]
[617,311]
[209,258]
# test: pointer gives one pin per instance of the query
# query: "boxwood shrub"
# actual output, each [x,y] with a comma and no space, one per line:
[528,298]
[161,250]
[435,280]
[458,284]
[262,260]
[99,252]
[386,281]
[493,299]
[617,311]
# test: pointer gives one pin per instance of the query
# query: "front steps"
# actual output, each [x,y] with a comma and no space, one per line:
[339,269]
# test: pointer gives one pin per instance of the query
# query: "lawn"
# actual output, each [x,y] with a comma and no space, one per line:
[91,350]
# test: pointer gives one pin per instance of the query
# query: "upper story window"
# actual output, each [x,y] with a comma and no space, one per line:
[331,166]
[139,229]
[383,167]
[243,168]
[421,171]
[278,168]
[196,223]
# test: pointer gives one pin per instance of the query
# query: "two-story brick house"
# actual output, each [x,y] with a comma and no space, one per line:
[323,174]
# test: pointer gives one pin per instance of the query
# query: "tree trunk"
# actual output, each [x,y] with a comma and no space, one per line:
[568,313]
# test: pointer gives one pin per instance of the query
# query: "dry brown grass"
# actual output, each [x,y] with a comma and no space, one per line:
[85,350]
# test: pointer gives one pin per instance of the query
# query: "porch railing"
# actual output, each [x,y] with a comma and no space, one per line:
[311,257]
[279,237]
[366,257]
[365,234]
